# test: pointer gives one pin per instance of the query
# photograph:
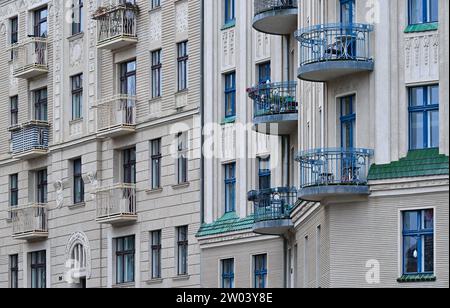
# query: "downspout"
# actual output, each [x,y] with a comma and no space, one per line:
[202,117]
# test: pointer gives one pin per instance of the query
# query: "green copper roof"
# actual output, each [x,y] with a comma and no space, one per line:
[422,27]
[230,222]
[418,163]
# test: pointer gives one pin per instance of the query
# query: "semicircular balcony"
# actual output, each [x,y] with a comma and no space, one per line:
[334,174]
[275,107]
[278,17]
[272,209]
[331,51]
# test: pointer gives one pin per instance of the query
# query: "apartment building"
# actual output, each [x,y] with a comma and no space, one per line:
[349,102]
[99,100]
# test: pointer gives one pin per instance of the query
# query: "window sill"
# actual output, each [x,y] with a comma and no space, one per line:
[181,278]
[154,191]
[417,278]
[75,121]
[181,185]
[229,120]
[154,281]
[77,206]
[155,9]
[229,25]
[433,26]
[124,285]
[182,92]
[75,36]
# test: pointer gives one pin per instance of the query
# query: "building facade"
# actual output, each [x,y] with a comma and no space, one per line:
[367,82]
[99,187]
[223,144]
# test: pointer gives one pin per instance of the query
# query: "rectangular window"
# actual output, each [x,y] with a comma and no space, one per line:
[156,163]
[424,117]
[13,193]
[14,33]
[230,95]
[77,96]
[423,11]
[230,15]
[14,271]
[264,173]
[41,186]
[125,254]
[230,187]
[38,266]
[264,73]
[182,250]
[347,11]
[228,274]
[418,242]
[129,166]
[77,16]
[78,183]
[14,110]
[182,51]
[40,22]
[348,121]
[156,73]
[128,78]
[155,4]
[182,158]
[40,105]
[260,271]
[156,254]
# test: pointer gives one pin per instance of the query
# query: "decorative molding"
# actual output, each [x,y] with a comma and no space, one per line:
[59,190]
[75,239]
[421,57]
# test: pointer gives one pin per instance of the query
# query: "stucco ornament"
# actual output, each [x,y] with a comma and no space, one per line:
[76,239]
[59,188]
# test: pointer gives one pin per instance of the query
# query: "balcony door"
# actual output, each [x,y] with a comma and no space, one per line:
[129,166]
[128,90]
[347,11]
[349,169]
[40,27]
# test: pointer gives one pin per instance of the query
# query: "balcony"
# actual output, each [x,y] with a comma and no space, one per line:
[116,25]
[331,51]
[30,58]
[272,208]
[30,222]
[116,205]
[275,107]
[116,116]
[334,174]
[30,140]
[278,17]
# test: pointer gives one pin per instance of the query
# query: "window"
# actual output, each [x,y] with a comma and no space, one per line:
[40,105]
[42,186]
[156,73]
[40,22]
[156,164]
[155,4]
[260,271]
[14,33]
[347,11]
[14,271]
[38,269]
[348,121]
[230,15]
[77,97]
[264,173]
[78,184]
[129,166]
[182,250]
[230,95]
[423,11]
[78,256]
[156,254]
[13,193]
[264,73]
[182,60]
[424,117]
[125,251]
[77,16]
[228,274]
[14,110]
[128,78]
[418,242]
[230,188]
[182,158]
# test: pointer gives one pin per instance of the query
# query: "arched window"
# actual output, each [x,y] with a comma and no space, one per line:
[78,257]
[78,260]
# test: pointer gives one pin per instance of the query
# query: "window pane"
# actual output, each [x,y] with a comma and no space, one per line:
[410,254]
[434,11]
[416,97]
[428,219]
[416,130]
[428,253]
[434,95]
[416,11]
[433,129]
[410,221]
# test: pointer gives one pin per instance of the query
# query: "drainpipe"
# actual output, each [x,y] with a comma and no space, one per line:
[287,40]
[202,117]
[285,262]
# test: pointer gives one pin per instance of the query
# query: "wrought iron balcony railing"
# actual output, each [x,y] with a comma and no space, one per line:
[273,204]
[274,98]
[328,167]
[116,203]
[30,57]
[335,42]
[116,113]
[31,138]
[262,6]
[29,221]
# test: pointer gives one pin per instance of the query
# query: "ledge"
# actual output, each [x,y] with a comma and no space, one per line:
[228,25]
[181,278]
[181,185]
[422,27]
[154,281]
[154,191]
[417,278]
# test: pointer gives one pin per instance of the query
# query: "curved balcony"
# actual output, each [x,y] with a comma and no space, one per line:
[272,209]
[275,107]
[277,17]
[330,51]
[116,24]
[327,174]
[116,205]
